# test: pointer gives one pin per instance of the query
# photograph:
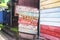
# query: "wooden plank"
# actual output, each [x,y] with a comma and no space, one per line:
[49,2]
[50,6]
[50,15]
[50,19]
[49,36]
[51,30]
[42,1]
[52,10]
[51,23]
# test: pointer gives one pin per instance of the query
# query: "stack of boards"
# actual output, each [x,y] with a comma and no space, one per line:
[50,19]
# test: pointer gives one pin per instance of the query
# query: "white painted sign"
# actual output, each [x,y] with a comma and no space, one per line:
[25,9]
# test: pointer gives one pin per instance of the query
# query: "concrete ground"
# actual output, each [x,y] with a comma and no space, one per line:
[4,36]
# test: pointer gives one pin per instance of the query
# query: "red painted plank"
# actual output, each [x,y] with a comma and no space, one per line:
[50,30]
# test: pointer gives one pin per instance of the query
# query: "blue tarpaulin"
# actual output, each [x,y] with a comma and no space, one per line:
[4,17]
[1,16]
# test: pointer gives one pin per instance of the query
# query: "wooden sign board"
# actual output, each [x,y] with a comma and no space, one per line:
[27,24]
[26,10]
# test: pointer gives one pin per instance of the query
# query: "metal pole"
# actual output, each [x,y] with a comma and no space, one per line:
[38,27]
